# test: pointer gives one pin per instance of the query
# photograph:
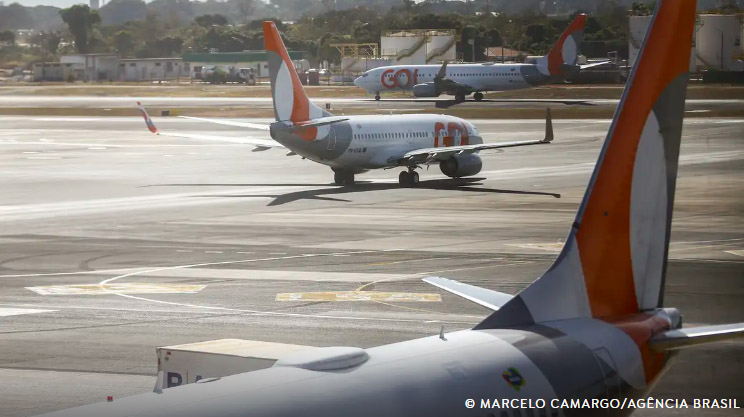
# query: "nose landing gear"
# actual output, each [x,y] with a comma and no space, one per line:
[377,96]
[408,178]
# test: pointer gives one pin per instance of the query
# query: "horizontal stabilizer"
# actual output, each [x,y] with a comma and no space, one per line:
[682,338]
[317,122]
[594,64]
[487,298]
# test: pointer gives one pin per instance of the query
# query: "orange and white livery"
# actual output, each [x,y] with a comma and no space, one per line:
[352,145]
[592,330]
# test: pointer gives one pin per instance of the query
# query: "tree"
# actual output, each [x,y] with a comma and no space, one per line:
[7,37]
[124,43]
[209,20]
[80,20]
[117,12]
[246,8]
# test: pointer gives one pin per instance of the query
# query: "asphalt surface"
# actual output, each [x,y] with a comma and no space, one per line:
[92,200]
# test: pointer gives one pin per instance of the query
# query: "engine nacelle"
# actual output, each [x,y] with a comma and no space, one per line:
[425,90]
[461,165]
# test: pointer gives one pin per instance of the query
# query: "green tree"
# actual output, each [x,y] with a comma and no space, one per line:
[209,20]
[124,42]
[117,12]
[7,37]
[80,20]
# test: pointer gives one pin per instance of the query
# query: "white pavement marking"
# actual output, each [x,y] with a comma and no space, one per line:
[257,312]
[736,252]
[272,275]
[5,312]
[126,288]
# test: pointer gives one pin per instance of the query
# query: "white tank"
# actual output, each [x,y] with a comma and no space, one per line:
[719,41]
[416,46]
[638,27]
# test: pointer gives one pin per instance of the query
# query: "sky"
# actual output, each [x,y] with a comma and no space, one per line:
[57,3]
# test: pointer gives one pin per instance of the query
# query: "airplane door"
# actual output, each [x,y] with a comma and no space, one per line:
[331,139]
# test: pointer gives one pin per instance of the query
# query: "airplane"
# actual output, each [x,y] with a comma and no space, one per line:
[352,145]
[592,329]
[461,80]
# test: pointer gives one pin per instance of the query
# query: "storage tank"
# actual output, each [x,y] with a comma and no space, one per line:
[638,27]
[404,47]
[719,41]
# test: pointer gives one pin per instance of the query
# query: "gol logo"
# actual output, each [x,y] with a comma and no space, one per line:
[513,378]
[403,78]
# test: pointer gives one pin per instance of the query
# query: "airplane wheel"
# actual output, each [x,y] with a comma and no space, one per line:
[404,179]
[349,179]
[338,178]
[478,96]
[460,97]
[377,96]
[414,178]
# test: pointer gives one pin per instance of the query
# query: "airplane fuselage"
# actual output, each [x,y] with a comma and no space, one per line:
[370,142]
[478,77]
[577,359]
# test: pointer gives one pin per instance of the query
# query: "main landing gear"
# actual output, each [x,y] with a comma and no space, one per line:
[460,97]
[343,177]
[478,96]
[377,96]
[408,178]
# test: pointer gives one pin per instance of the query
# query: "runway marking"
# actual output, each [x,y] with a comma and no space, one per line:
[6,312]
[548,247]
[390,297]
[125,288]
[260,312]
[736,252]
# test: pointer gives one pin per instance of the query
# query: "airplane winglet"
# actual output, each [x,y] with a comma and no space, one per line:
[548,126]
[148,120]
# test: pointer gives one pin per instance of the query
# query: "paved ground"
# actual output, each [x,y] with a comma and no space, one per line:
[87,200]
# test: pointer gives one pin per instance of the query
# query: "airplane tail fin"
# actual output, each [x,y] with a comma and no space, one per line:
[291,104]
[614,260]
[565,52]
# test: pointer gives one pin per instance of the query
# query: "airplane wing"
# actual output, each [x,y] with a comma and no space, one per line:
[258,144]
[229,123]
[433,155]
[485,297]
[682,338]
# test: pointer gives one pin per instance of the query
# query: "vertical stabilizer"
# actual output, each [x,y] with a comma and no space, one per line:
[563,56]
[614,259]
[290,101]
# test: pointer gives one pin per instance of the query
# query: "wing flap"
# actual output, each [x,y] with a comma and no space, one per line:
[487,298]
[683,338]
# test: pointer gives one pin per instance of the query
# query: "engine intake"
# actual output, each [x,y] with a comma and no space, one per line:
[461,165]
[425,90]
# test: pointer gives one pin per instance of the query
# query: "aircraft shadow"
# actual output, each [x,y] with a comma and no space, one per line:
[335,192]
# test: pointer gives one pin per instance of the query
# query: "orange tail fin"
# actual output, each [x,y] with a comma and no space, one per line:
[614,259]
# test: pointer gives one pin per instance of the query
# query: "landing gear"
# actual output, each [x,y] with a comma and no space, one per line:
[377,96]
[343,178]
[459,97]
[408,178]
[478,96]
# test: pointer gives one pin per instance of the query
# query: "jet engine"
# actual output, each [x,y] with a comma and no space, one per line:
[461,165]
[425,90]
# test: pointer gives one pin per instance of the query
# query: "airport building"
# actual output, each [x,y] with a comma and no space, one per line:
[236,60]
[153,69]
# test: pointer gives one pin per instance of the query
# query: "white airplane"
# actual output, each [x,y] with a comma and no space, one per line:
[355,144]
[352,145]
[592,329]
[461,80]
